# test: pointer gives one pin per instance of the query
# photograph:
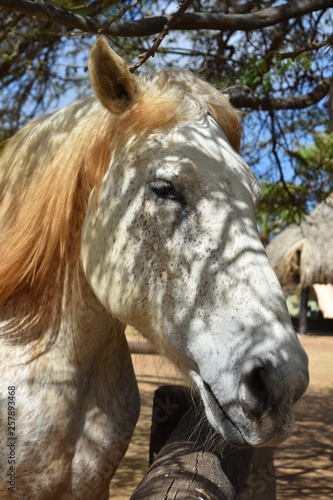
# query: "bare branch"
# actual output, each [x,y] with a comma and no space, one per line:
[152,25]
[9,25]
[151,52]
[309,48]
[277,159]
[293,102]
[102,31]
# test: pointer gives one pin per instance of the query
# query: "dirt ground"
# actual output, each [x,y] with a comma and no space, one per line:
[302,467]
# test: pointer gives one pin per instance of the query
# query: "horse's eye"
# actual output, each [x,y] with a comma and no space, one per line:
[164,189]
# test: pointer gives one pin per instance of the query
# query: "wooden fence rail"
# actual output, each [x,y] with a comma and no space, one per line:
[185,463]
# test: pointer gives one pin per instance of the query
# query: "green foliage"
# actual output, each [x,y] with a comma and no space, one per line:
[283,66]
[256,73]
[280,206]
[314,165]
[304,60]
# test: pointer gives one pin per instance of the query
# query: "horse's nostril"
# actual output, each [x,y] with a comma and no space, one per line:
[254,394]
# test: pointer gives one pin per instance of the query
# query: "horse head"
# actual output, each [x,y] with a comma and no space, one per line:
[170,246]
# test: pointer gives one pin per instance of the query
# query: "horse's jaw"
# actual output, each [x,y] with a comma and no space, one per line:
[216,415]
[253,404]
[239,432]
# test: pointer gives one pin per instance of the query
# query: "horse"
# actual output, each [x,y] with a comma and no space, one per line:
[132,207]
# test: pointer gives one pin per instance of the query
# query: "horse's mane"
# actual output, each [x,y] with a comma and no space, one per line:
[49,168]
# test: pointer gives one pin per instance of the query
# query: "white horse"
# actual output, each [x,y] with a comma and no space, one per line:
[133,208]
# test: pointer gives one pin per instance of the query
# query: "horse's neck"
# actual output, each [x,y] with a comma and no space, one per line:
[75,347]
[75,381]
[70,321]
[87,328]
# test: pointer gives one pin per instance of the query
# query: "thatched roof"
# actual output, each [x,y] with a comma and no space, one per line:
[304,252]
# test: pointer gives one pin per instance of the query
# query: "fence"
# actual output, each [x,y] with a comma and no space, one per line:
[185,464]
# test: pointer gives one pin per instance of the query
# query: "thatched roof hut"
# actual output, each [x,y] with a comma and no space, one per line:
[303,253]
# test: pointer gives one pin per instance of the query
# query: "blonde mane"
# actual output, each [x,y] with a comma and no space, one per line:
[49,168]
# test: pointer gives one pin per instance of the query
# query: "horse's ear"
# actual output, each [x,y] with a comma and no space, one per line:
[113,83]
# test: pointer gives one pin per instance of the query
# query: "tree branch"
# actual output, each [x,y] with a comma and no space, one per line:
[309,48]
[293,102]
[277,158]
[157,42]
[102,31]
[152,25]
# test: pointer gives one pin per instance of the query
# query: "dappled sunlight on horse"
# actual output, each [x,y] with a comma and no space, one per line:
[134,208]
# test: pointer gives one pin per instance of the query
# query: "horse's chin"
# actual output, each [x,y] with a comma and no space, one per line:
[236,433]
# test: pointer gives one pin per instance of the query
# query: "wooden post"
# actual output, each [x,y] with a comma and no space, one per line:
[190,462]
[303,314]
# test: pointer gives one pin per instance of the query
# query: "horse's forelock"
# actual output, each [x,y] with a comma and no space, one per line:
[192,96]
